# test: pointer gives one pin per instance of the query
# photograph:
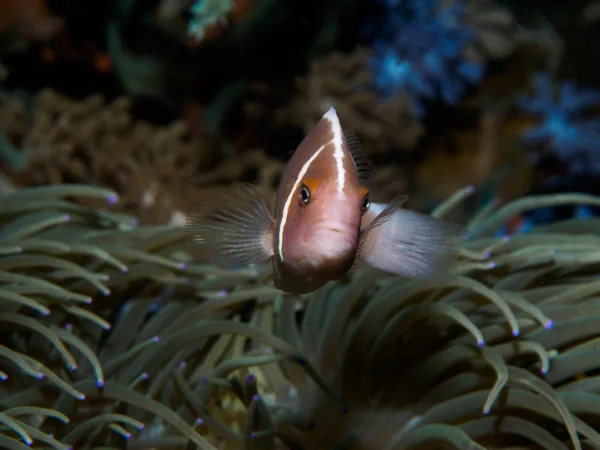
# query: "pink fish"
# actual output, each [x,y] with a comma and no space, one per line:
[324,223]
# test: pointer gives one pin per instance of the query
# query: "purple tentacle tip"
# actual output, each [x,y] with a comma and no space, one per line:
[470,189]
[252,435]
[182,364]
[256,397]
[3,377]
[156,338]
[516,332]
[81,397]
[481,343]
[204,381]
[100,383]
[199,421]
[223,293]
[67,217]
[250,379]
[544,370]
[182,266]
[112,198]
[549,324]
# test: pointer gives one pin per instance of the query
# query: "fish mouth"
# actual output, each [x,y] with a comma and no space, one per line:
[334,227]
[332,246]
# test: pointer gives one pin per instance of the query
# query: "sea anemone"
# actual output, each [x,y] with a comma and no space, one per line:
[100,315]
[114,337]
[501,354]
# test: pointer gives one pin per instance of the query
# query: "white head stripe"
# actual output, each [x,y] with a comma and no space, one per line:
[338,152]
[288,201]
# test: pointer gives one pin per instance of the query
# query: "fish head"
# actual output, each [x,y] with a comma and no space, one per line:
[323,233]
[321,205]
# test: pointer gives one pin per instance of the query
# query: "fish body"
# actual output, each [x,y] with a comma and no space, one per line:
[317,210]
[323,222]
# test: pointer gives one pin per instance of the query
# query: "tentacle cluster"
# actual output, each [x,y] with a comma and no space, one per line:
[112,334]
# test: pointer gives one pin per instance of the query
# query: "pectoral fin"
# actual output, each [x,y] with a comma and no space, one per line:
[233,226]
[408,243]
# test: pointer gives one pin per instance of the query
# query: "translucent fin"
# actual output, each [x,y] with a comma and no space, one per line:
[409,243]
[365,167]
[381,212]
[234,226]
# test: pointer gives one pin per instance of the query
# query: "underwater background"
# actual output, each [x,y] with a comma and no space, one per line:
[116,115]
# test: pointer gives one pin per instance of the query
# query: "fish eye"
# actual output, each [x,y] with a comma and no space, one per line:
[304,195]
[366,204]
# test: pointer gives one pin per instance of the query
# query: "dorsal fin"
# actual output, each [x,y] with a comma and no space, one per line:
[366,169]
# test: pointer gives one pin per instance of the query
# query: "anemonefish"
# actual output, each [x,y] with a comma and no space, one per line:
[324,222]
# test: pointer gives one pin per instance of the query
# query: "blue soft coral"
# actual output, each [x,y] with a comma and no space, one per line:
[563,130]
[420,52]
